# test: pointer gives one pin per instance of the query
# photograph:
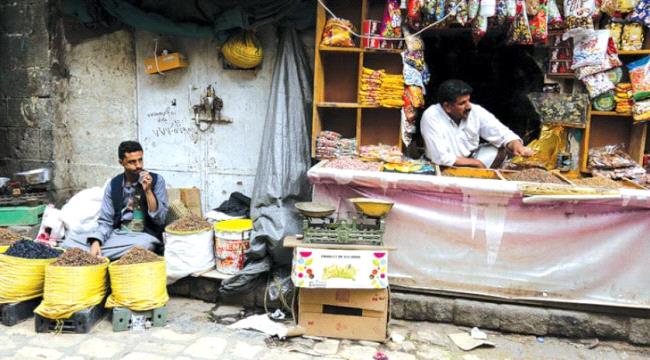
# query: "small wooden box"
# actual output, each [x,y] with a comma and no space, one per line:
[165,62]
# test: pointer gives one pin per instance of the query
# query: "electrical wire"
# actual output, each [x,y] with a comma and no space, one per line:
[450,13]
[155,56]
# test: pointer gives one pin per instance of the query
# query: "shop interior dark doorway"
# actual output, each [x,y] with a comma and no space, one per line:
[500,75]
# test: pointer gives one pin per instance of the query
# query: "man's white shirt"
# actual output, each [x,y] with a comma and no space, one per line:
[445,141]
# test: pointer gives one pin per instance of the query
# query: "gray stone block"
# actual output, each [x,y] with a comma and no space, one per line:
[523,319]
[16,18]
[609,327]
[415,307]
[572,324]
[475,313]
[440,309]
[639,331]
[26,51]
[23,143]
[397,303]
[46,144]
[39,82]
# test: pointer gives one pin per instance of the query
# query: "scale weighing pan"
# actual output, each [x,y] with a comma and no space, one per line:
[372,207]
[314,209]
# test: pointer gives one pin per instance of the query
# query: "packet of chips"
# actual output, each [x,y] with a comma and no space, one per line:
[519,32]
[539,24]
[337,33]
[632,38]
[391,25]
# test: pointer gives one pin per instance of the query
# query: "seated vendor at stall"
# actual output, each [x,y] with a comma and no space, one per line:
[133,209]
[453,128]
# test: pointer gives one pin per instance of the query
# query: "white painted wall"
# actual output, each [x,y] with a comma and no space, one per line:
[224,158]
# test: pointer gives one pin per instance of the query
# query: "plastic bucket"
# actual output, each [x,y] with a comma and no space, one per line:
[231,240]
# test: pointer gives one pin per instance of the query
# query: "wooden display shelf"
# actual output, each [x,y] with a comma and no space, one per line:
[345,105]
[561,75]
[610,113]
[359,50]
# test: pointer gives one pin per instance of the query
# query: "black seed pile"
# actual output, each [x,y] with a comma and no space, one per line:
[28,249]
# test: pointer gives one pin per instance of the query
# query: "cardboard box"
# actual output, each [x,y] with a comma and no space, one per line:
[165,62]
[342,269]
[344,313]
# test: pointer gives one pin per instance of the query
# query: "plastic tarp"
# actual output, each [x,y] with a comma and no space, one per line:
[281,178]
[482,237]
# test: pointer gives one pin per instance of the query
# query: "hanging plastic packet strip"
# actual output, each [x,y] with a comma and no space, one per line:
[532,7]
[488,8]
[473,7]
[578,13]
[539,24]
[414,14]
[554,17]
[639,72]
[391,25]
[520,29]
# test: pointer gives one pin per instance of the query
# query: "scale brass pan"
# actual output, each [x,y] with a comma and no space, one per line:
[314,209]
[372,207]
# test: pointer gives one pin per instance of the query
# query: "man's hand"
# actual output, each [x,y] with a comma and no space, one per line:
[461,161]
[146,181]
[95,248]
[518,149]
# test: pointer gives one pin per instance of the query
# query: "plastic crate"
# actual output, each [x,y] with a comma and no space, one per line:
[21,215]
[12,314]
[81,322]
[123,318]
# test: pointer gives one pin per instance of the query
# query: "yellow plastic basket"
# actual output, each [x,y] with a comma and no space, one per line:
[138,287]
[21,279]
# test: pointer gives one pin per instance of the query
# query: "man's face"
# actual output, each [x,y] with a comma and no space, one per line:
[460,109]
[132,163]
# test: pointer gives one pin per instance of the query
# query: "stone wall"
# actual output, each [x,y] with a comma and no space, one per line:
[27,95]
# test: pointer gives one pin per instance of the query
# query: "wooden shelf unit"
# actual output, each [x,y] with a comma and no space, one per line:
[609,127]
[337,78]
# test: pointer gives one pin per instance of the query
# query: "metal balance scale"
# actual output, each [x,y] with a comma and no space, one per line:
[366,228]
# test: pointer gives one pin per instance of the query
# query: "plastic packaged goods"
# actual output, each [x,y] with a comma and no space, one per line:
[641,110]
[597,84]
[605,101]
[555,20]
[539,23]
[639,72]
[641,13]
[519,32]
[610,157]
[578,13]
[550,142]
[632,38]
[555,108]
[616,32]
[391,25]
[337,33]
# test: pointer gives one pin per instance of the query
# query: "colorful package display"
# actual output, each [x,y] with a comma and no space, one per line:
[520,30]
[532,7]
[414,14]
[488,8]
[632,38]
[640,77]
[623,97]
[381,89]
[610,61]
[578,13]
[337,33]
[539,24]
[391,25]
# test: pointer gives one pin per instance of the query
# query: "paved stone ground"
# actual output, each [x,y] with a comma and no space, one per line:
[191,335]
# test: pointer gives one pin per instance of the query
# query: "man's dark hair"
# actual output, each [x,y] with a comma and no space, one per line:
[128,147]
[451,89]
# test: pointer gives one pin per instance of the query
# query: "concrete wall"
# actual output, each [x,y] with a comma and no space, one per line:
[27,109]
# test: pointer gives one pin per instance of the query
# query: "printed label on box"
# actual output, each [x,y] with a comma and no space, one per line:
[350,269]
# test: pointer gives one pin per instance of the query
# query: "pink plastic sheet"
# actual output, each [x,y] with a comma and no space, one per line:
[480,237]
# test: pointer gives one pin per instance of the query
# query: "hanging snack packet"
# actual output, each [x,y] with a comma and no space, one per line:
[414,14]
[609,7]
[538,25]
[440,10]
[391,25]
[610,61]
[641,12]
[520,30]
[532,7]
[554,16]
[337,33]
[511,9]
[632,38]
[472,9]
[626,6]
[578,13]
[590,47]
[488,8]
[501,12]
[640,78]
[479,28]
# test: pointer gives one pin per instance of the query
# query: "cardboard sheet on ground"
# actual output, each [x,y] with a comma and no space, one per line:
[466,342]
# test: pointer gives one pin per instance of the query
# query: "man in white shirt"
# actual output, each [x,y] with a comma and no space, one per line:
[453,128]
